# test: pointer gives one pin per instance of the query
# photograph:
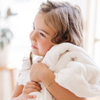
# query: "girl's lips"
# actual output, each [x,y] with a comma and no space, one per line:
[34,47]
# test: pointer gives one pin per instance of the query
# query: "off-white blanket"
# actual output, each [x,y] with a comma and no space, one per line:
[73,69]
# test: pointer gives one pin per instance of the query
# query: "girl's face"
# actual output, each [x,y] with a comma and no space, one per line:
[41,36]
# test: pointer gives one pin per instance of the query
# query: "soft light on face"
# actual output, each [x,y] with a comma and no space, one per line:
[41,36]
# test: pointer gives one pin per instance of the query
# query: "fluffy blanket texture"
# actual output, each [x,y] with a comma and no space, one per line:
[73,69]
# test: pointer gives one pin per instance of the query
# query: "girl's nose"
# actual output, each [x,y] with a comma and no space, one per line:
[32,36]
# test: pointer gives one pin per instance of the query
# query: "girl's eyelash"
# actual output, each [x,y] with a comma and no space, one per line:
[42,34]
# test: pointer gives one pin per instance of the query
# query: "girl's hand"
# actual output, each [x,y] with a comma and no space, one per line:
[28,88]
[38,71]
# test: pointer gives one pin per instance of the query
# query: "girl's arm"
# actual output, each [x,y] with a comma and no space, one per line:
[17,93]
[57,91]
[40,73]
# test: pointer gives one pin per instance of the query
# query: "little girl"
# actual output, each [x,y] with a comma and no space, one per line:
[61,69]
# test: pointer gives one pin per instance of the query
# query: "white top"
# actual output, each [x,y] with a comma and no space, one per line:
[24,77]
[73,69]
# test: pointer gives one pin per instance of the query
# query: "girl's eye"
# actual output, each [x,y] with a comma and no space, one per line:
[42,34]
[33,27]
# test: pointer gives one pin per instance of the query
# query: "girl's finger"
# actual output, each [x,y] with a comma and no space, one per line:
[29,96]
[33,83]
[27,91]
[34,87]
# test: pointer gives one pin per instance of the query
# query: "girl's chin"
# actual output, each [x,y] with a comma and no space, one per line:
[36,53]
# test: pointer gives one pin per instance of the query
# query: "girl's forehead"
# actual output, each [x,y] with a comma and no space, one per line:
[39,20]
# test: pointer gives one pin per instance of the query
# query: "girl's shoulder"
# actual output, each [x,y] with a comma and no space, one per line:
[24,72]
[25,63]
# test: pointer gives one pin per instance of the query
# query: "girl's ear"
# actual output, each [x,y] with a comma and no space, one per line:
[60,38]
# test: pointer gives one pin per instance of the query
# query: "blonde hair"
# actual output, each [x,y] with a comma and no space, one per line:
[65,20]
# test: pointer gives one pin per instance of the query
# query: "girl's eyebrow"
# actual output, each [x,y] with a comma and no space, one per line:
[42,30]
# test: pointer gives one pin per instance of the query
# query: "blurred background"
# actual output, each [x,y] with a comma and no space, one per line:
[16,18]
